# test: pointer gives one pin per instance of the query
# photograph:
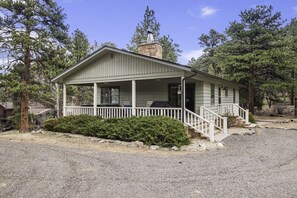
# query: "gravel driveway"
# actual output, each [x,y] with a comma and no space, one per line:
[260,165]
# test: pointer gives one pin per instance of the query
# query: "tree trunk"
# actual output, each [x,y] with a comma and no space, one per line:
[251,97]
[292,94]
[24,122]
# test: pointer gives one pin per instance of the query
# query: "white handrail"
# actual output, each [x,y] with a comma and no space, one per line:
[199,123]
[114,112]
[234,110]
[174,113]
[77,110]
[219,121]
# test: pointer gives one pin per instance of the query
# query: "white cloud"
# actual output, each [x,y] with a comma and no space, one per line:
[187,55]
[207,11]
[295,8]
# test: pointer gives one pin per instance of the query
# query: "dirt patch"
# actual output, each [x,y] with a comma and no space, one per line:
[284,122]
[97,144]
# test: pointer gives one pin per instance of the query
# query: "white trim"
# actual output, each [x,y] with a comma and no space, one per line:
[91,80]
[64,99]
[133,97]
[95,98]
[185,68]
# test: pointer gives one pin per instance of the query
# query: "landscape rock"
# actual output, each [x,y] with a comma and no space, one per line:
[221,145]
[138,144]
[174,148]
[154,147]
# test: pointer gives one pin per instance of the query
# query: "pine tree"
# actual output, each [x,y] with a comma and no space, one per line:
[291,42]
[79,46]
[149,23]
[28,30]
[171,50]
[254,53]
[210,43]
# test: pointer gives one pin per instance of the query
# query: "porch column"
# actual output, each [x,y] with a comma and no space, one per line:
[57,99]
[95,99]
[133,97]
[183,98]
[64,99]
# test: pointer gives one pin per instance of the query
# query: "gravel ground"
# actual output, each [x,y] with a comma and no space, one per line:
[259,165]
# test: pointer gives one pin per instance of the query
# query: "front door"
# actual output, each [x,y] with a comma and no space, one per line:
[175,98]
[190,97]
[220,96]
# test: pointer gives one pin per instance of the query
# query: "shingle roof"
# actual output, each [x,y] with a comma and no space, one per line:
[7,105]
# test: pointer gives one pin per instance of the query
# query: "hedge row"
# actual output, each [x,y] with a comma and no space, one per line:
[153,130]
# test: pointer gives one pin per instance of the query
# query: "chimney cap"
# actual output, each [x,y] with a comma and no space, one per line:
[150,36]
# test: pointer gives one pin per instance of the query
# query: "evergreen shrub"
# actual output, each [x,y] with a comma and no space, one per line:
[153,130]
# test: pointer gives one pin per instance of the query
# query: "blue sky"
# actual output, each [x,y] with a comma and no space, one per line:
[183,20]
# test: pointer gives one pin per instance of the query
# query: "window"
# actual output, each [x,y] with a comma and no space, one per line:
[226,91]
[212,94]
[234,96]
[110,95]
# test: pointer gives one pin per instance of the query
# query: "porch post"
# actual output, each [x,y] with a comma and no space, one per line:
[183,98]
[133,97]
[95,99]
[57,99]
[64,100]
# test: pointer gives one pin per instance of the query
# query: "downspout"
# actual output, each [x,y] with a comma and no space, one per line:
[183,91]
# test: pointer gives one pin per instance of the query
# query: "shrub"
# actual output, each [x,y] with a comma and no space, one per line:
[231,121]
[154,130]
[251,118]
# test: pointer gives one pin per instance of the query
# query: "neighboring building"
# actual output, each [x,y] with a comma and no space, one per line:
[142,84]
[6,109]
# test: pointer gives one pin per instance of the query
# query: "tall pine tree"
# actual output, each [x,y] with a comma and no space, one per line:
[29,29]
[254,53]
[171,50]
[149,23]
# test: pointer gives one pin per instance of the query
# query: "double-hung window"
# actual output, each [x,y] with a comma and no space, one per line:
[212,94]
[110,95]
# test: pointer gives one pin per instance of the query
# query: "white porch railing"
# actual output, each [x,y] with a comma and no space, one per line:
[114,112]
[234,110]
[219,121]
[174,113]
[119,112]
[75,110]
[200,124]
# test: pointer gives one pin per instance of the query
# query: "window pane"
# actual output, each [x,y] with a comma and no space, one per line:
[110,95]
[212,94]
[105,95]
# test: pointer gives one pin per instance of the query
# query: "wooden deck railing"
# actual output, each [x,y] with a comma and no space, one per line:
[174,113]
[118,112]
[200,124]
[234,110]
[219,121]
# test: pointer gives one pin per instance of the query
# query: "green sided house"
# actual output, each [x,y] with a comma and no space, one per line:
[142,84]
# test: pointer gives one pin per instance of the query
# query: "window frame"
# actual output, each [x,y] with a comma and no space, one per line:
[110,95]
[234,95]
[212,94]
[226,92]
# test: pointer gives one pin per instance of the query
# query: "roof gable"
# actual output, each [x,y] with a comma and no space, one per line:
[111,63]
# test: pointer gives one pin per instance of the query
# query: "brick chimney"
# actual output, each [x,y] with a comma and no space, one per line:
[151,47]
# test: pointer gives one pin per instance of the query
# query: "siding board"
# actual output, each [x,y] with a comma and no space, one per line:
[121,66]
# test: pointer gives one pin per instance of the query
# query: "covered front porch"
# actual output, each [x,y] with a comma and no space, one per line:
[132,98]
